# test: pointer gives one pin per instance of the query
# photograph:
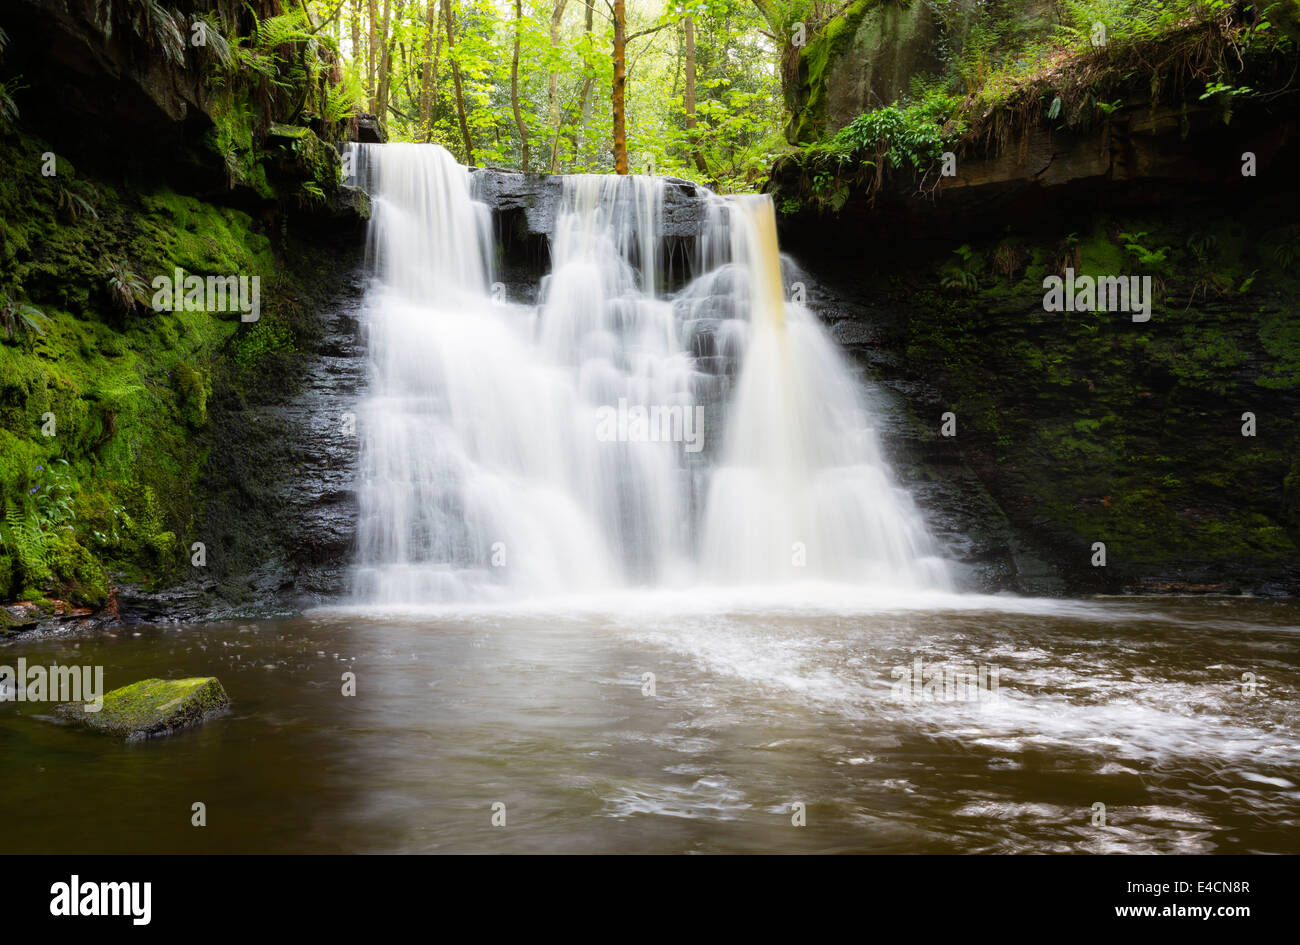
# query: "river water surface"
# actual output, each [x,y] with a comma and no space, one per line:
[757,705]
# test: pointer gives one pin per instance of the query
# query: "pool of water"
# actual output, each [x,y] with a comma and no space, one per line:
[755,705]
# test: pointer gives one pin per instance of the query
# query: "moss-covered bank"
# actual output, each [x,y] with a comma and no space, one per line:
[105,403]
[119,415]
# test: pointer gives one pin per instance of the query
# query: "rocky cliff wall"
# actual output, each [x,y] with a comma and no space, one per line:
[1170,440]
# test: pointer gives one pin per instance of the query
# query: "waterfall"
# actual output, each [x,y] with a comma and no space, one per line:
[615,434]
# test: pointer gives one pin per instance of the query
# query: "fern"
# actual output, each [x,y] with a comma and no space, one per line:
[963,276]
[8,107]
[214,42]
[1156,259]
[311,194]
[342,101]
[149,20]
[27,543]
[19,318]
[277,31]
[126,287]
[75,199]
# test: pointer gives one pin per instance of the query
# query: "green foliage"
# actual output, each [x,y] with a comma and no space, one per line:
[977,58]
[1284,249]
[1146,260]
[962,275]
[149,22]
[1279,335]
[342,101]
[1012,69]
[1127,20]
[75,199]
[206,30]
[8,107]
[267,338]
[28,549]
[283,71]
[119,482]
[19,319]
[34,533]
[125,287]
[8,89]
[909,137]
[565,88]
[260,52]
[310,194]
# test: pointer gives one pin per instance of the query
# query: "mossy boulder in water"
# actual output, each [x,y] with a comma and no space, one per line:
[152,707]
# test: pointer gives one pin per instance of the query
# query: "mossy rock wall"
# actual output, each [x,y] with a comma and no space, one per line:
[891,43]
[1088,427]
[1091,427]
[867,56]
[125,426]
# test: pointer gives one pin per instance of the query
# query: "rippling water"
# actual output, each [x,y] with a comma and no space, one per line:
[1137,704]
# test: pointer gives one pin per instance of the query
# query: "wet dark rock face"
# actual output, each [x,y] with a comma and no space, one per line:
[538,197]
[278,494]
[524,208]
[283,513]
[89,78]
[321,494]
[369,130]
[1085,427]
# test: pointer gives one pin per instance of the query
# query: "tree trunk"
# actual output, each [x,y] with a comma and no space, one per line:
[620,86]
[432,47]
[455,75]
[389,36]
[553,83]
[372,47]
[514,89]
[696,156]
[584,104]
[356,34]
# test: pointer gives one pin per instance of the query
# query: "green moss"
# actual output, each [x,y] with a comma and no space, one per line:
[1286,15]
[1099,256]
[130,391]
[808,95]
[179,231]
[152,707]
[233,139]
[293,132]
[267,338]
[84,579]
[194,386]
[1107,430]
[1279,335]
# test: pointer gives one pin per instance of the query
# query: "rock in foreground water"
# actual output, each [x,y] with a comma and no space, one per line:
[152,707]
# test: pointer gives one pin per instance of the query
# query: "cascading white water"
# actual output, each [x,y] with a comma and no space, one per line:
[799,447]
[613,435]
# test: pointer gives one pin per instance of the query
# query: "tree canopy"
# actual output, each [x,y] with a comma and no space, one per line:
[543,86]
